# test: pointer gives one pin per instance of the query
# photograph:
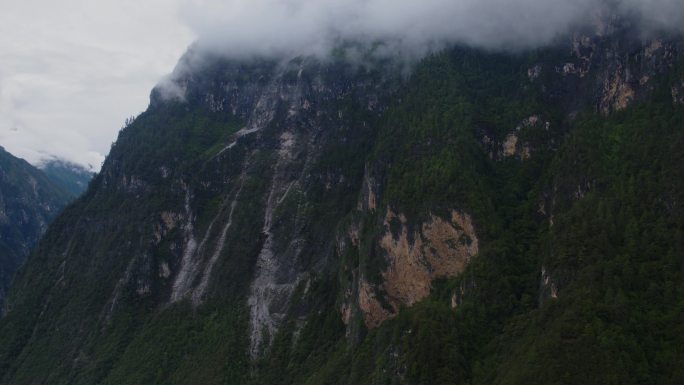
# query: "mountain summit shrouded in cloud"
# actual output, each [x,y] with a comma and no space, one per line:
[70,73]
[239,28]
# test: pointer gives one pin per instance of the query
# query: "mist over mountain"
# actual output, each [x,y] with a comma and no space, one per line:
[239,28]
[403,31]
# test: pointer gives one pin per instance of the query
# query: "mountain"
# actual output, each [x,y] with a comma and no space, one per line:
[490,218]
[69,176]
[29,201]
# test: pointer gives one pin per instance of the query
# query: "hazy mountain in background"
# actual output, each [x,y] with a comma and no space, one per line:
[29,200]
[70,177]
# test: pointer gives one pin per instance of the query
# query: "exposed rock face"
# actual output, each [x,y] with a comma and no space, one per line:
[617,71]
[373,311]
[618,93]
[438,248]
[441,248]
[548,286]
[629,74]
[678,93]
[290,116]
[275,279]
[534,72]
[510,145]
[369,193]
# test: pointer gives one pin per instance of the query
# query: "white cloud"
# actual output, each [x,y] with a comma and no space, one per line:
[267,27]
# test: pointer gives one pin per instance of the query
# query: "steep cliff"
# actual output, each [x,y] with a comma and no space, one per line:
[336,221]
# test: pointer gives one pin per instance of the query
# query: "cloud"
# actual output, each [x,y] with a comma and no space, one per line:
[240,28]
[657,15]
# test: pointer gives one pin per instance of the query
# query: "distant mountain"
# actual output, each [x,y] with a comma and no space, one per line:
[29,200]
[70,177]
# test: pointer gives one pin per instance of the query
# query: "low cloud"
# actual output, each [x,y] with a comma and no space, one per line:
[243,28]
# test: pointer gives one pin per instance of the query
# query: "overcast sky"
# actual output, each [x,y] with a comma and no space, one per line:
[71,71]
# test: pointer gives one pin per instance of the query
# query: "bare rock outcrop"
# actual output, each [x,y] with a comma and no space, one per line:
[437,248]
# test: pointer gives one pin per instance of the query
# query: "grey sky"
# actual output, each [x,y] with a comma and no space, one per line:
[71,71]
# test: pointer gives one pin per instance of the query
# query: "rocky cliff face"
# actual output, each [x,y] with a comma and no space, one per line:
[291,116]
[263,216]
[438,248]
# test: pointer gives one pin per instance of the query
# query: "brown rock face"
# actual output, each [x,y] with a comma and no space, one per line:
[371,308]
[510,145]
[618,93]
[439,248]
